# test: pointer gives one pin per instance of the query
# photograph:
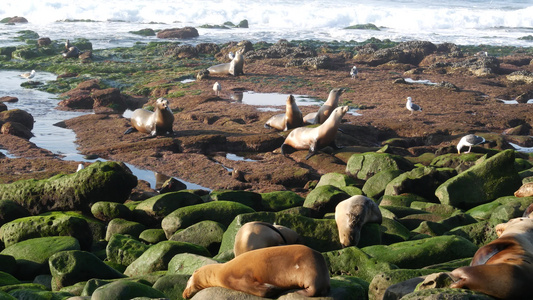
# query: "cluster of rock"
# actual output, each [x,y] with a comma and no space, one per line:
[78,235]
[15,121]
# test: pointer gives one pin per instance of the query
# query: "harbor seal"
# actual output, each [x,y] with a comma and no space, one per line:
[235,67]
[350,216]
[158,122]
[266,272]
[256,235]
[292,118]
[526,190]
[325,110]
[316,138]
[504,267]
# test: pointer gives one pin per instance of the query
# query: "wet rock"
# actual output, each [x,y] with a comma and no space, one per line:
[18,116]
[125,289]
[158,256]
[16,129]
[9,99]
[280,200]
[323,199]
[32,255]
[144,32]
[366,165]
[124,250]
[100,181]
[154,209]
[172,285]
[3,107]
[106,211]
[375,186]
[14,19]
[187,263]
[70,267]
[207,234]
[182,51]
[178,33]
[412,52]
[487,181]
[392,283]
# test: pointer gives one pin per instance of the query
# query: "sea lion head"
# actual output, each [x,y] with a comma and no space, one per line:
[162,104]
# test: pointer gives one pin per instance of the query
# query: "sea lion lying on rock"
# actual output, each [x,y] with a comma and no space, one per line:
[235,67]
[526,190]
[350,216]
[266,272]
[504,267]
[292,118]
[256,235]
[158,122]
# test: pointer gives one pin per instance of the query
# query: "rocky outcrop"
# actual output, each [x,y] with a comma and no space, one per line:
[178,33]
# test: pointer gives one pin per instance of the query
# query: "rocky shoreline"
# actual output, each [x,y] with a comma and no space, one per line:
[406,163]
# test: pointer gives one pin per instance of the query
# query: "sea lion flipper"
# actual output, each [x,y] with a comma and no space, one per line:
[286,149]
[310,153]
[130,130]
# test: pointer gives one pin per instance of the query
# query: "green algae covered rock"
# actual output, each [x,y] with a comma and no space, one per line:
[420,181]
[446,293]
[480,233]
[375,186]
[32,255]
[70,267]
[172,285]
[10,210]
[503,208]
[493,178]
[351,261]
[57,224]
[348,287]
[107,211]
[323,199]
[37,294]
[250,199]
[458,162]
[7,279]
[365,165]
[101,181]
[383,280]
[336,179]
[125,289]
[158,256]
[187,263]
[153,236]
[124,250]
[8,263]
[280,200]
[420,253]
[158,207]
[219,211]
[393,231]
[207,234]
[124,227]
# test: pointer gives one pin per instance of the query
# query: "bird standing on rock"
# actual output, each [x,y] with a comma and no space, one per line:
[353,72]
[469,140]
[217,88]
[411,106]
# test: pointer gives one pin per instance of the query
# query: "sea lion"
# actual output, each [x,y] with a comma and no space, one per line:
[158,122]
[292,117]
[528,213]
[504,267]
[350,216]
[256,235]
[526,190]
[325,110]
[235,67]
[266,272]
[72,52]
[316,138]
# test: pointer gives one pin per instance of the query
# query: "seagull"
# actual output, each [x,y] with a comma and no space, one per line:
[353,72]
[217,88]
[28,75]
[469,140]
[411,106]
[80,167]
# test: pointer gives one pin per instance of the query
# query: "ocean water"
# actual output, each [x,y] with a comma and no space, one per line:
[471,22]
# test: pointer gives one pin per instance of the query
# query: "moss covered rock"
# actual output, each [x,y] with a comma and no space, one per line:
[8,263]
[382,281]
[336,179]
[7,279]
[154,209]
[152,236]
[124,250]
[323,199]
[420,181]
[502,209]
[365,165]
[124,227]
[187,263]
[375,186]
[106,211]
[348,287]
[207,234]
[247,198]
[10,210]
[125,289]
[280,200]
[172,285]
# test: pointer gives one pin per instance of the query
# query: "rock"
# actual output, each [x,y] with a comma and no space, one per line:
[10,211]
[280,200]
[393,232]
[323,199]
[420,181]
[446,293]
[365,165]
[14,19]
[459,162]
[250,199]
[125,289]
[3,107]
[152,236]
[9,99]
[395,282]
[100,181]
[158,256]
[172,285]
[8,264]
[144,32]
[178,33]
[154,209]
[523,76]
[108,98]
[412,52]
[32,255]
[123,227]
[207,48]
[493,178]
[16,129]
[124,250]
[375,186]
[336,179]
[70,267]
[207,234]
[435,281]
[480,233]
[187,263]
[345,287]
[55,224]
[219,211]
[419,253]
[7,279]
[223,293]
[18,116]
[106,211]
[44,41]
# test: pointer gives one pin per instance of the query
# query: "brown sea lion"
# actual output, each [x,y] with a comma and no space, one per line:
[292,118]
[504,267]
[325,110]
[266,272]
[316,138]
[350,216]
[526,190]
[256,235]
[528,213]
[235,67]
[158,122]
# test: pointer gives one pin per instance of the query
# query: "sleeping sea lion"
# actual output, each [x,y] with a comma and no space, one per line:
[316,138]
[526,190]
[266,272]
[292,117]
[350,216]
[504,267]
[158,122]
[235,67]
[325,110]
[256,235]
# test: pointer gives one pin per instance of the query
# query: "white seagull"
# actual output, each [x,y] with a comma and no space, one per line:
[411,106]
[28,75]
[469,140]
[353,72]
[80,167]
[217,88]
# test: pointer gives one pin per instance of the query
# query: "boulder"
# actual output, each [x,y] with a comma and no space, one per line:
[158,256]
[32,255]
[365,165]
[10,210]
[178,33]
[187,263]
[7,279]
[124,250]
[125,289]
[107,211]
[207,234]
[375,186]
[70,267]
[100,181]
[280,200]
[152,236]
[336,179]
[493,178]
[108,98]
[250,199]
[16,129]
[420,181]
[345,287]
[172,285]
[8,264]
[154,209]
[323,199]
[123,227]
[446,293]
[18,116]
[386,280]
